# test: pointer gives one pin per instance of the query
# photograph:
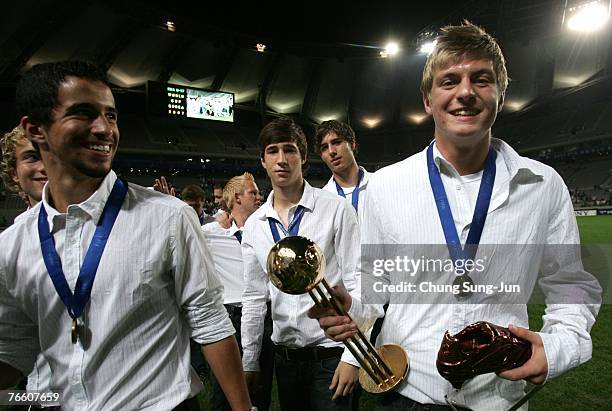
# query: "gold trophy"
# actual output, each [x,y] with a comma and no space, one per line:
[296,265]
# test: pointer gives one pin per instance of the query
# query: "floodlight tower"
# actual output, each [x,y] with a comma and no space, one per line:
[586,16]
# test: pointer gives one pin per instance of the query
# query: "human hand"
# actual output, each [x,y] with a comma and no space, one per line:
[345,379]
[337,327]
[252,381]
[225,220]
[536,368]
[161,185]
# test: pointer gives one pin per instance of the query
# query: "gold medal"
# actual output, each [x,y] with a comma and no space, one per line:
[74,331]
[463,282]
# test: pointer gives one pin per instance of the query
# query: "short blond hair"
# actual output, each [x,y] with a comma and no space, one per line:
[8,163]
[467,40]
[236,185]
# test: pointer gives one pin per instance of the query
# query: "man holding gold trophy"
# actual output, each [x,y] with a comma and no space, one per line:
[470,189]
[309,372]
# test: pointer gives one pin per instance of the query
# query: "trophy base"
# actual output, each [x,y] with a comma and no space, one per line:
[397,360]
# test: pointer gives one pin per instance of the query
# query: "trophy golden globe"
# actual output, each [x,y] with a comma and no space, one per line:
[296,266]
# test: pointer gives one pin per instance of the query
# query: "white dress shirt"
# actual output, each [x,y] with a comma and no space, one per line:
[227,256]
[155,288]
[363,186]
[330,222]
[39,378]
[530,205]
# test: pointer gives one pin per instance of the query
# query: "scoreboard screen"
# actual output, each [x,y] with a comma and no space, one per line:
[174,101]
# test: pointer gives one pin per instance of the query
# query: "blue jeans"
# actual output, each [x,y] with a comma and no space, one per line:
[304,385]
[262,396]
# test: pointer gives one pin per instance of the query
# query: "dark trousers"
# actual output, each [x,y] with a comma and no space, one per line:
[396,402]
[198,362]
[303,384]
[261,398]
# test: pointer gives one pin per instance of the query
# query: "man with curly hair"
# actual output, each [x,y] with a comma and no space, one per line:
[21,169]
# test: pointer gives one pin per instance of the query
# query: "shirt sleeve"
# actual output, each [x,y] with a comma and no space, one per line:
[573,296]
[18,334]
[253,303]
[366,308]
[198,290]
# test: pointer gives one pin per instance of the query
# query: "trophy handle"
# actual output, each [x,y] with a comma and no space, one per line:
[375,376]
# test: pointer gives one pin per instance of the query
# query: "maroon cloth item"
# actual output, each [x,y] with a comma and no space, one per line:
[480,348]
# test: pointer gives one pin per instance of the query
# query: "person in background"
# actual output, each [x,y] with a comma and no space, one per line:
[335,142]
[312,372]
[242,198]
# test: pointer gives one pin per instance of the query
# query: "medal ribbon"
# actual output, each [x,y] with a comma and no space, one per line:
[82,291]
[294,225]
[355,194]
[238,235]
[480,212]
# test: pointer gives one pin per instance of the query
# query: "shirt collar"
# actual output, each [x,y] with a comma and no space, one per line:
[93,206]
[306,201]
[365,179]
[517,166]
[234,229]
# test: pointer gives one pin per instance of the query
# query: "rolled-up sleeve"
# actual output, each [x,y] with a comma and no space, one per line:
[198,290]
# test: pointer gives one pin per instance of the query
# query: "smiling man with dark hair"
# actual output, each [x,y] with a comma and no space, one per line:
[108,279]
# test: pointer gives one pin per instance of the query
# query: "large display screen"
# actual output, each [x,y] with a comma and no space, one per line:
[210,105]
[176,101]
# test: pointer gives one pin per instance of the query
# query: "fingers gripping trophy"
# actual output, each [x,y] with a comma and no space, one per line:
[296,265]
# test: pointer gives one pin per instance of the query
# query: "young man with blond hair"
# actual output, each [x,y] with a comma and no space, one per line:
[469,188]
[242,198]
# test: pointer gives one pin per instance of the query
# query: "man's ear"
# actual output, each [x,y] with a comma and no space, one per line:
[500,106]
[426,103]
[33,131]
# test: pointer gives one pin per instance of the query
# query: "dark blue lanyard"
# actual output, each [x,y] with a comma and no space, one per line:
[294,225]
[82,291]
[480,212]
[355,195]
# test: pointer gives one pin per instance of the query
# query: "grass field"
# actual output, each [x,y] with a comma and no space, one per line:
[588,387]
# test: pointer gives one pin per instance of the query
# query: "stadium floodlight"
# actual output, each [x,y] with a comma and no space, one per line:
[587,17]
[170,25]
[391,49]
[372,122]
[428,47]
[417,118]
[260,47]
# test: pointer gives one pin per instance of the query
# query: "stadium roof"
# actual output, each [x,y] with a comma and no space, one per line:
[322,59]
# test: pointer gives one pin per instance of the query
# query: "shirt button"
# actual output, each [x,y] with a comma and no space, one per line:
[458,188]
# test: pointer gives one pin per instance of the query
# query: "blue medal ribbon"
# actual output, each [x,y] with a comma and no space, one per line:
[294,225]
[82,291]
[355,194]
[480,212]
[238,235]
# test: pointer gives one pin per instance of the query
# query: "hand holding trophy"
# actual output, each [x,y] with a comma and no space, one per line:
[296,266]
